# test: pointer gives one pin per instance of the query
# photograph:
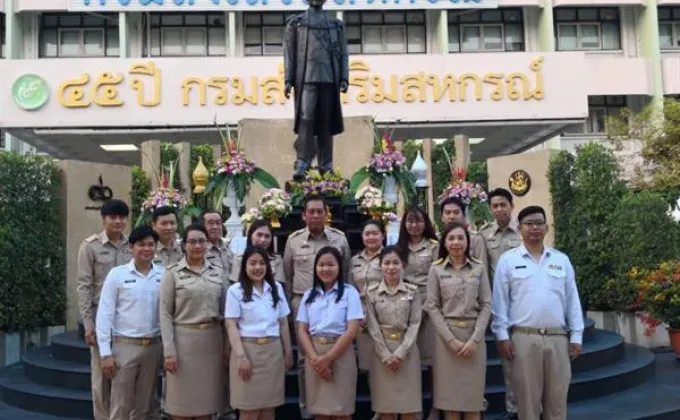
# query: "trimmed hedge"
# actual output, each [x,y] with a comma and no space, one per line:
[32,246]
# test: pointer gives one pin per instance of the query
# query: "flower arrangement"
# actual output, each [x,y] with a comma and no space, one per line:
[274,205]
[251,215]
[386,161]
[328,184]
[166,195]
[371,202]
[235,171]
[659,295]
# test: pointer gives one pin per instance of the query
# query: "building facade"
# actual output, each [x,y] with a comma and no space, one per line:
[512,74]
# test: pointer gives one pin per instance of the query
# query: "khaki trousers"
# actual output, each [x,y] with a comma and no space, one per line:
[510,398]
[541,373]
[295,304]
[134,387]
[101,387]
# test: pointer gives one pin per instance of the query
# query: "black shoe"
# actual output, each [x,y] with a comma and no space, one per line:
[228,416]
[509,416]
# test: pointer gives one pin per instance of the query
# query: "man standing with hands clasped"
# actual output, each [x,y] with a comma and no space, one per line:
[538,320]
[128,329]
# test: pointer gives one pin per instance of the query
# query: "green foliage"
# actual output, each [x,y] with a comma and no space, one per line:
[560,175]
[140,190]
[441,171]
[170,154]
[410,150]
[32,253]
[477,173]
[206,152]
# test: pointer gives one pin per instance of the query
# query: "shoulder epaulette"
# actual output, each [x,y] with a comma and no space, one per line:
[434,241]
[411,287]
[373,287]
[336,230]
[296,233]
[439,261]
[484,226]
[92,238]
[475,260]
[173,265]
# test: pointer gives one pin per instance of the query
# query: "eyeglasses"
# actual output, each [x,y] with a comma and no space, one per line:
[534,224]
[195,242]
[415,222]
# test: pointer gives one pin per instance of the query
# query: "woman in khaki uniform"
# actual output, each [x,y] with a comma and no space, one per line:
[394,312]
[256,316]
[459,305]
[328,322]
[365,272]
[191,301]
[260,234]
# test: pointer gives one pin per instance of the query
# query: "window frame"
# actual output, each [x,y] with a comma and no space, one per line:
[481,19]
[264,27]
[3,46]
[578,23]
[610,105]
[357,21]
[674,22]
[154,24]
[108,22]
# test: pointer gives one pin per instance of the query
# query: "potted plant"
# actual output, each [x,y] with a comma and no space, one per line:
[167,195]
[659,297]
[386,170]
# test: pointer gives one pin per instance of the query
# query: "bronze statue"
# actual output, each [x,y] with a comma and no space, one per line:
[316,66]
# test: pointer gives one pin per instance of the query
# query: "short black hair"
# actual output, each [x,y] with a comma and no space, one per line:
[162,211]
[314,197]
[500,192]
[115,207]
[206,212]
[453,200]
[528,211]
[140,233]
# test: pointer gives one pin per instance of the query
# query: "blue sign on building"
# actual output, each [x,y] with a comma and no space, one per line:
[271,5]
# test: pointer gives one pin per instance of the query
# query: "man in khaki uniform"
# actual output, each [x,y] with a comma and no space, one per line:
[219,254]
[128,331]
[453,209]
[500,236]
[298,264]
[97,255]
[164,223]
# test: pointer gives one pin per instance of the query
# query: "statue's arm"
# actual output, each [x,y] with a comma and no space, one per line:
[289,52]
[345,55]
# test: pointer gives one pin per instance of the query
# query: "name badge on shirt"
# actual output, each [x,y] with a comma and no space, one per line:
[130,281]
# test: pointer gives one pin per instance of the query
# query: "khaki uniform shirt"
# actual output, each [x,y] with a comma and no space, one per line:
[364,273]
[96,257]
[498,241]
[458,294]
[420,259]
[275,261]
[168,256]
[189,297]
[222,256]
[300,252]
[397,310]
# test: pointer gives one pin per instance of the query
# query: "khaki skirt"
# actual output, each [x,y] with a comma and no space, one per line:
[197,387]
[337,397]
[426,338]
[469,372]
[399,392]
[266,387]
[364,349]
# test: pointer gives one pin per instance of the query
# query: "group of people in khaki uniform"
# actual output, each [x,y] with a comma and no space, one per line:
[425,301]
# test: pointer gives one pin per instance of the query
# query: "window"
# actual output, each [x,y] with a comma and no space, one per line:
[264,33]
[78,35]
[385,32]
[600,108]
[2,41]
[187,34]
[588,29]
[669,28]
[486,30]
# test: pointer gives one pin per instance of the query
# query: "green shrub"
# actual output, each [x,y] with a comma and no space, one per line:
[32,250]
[140,190]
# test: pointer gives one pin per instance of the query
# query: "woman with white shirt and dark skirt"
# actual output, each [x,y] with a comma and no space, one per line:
[256,317]
[328,322]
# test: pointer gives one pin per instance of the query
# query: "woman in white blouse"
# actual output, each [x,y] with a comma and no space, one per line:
[255,315]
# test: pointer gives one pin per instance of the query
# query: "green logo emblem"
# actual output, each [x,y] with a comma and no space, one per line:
[30,92]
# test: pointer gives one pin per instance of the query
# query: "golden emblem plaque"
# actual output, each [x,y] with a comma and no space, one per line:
[519,182]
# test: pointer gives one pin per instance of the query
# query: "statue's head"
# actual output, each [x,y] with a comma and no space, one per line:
[316,3]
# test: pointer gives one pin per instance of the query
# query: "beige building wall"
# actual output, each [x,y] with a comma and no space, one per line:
[536,164]
[270,144]
[81,215]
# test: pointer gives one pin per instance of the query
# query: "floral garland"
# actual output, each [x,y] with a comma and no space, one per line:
[328,184]
[371,203]
[464,190]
